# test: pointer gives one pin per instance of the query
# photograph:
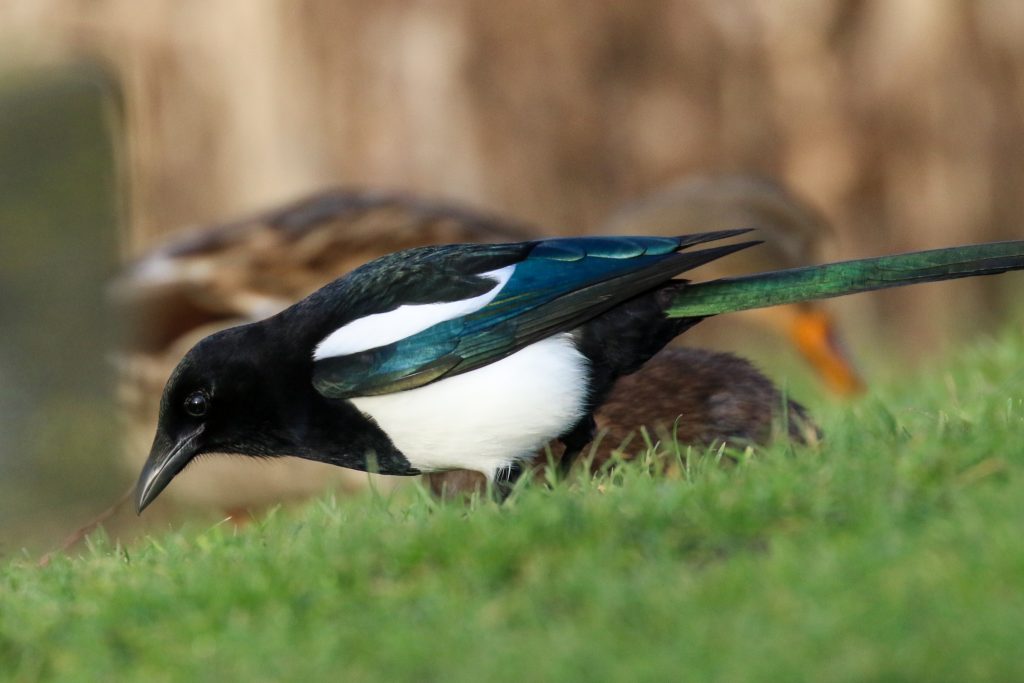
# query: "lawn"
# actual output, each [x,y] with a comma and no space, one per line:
[894,551]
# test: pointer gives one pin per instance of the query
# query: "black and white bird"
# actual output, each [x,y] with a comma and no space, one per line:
[207,278]
[473,356]
[465,356]
[211,277]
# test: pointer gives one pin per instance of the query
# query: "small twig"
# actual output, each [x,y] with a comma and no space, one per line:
[86,529]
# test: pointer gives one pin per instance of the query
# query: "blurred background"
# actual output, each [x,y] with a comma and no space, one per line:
[121,122]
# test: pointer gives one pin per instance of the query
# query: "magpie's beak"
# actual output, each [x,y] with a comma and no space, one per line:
[166,459]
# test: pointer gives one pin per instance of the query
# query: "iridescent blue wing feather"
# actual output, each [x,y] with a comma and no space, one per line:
[555,285]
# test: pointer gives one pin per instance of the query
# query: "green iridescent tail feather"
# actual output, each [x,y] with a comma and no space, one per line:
[846,277]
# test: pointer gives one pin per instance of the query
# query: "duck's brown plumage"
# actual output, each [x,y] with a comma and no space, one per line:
[693,396]
[254,267]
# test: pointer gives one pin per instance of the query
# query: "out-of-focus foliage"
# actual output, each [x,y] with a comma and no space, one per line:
[58,231]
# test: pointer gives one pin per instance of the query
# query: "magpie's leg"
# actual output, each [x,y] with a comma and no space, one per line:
[575,440]
[505,480]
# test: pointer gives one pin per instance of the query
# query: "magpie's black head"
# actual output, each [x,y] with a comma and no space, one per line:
[222,398]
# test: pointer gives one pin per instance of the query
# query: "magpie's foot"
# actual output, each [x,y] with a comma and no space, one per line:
[505,480]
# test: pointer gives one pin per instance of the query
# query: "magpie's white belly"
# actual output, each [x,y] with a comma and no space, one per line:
[485,419]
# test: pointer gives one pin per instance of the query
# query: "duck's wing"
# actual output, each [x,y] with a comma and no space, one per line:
[252,268]
[424,315]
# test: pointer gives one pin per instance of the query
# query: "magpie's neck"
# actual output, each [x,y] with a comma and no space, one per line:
[336,432]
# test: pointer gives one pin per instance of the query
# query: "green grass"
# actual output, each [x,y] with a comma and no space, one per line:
[893,552]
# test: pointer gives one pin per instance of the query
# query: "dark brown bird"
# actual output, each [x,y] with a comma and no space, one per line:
[690,396]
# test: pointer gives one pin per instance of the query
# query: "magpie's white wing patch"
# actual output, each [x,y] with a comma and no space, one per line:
[380,329]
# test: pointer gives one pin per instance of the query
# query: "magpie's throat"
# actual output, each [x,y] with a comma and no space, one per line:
[334,431]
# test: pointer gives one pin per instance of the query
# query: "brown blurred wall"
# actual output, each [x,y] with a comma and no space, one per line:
[902,119]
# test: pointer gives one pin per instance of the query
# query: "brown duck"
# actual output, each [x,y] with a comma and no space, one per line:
[692,396]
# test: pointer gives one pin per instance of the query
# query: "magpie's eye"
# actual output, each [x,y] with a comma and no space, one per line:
[197,404]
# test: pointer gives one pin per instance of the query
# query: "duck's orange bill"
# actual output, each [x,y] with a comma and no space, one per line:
[816,336]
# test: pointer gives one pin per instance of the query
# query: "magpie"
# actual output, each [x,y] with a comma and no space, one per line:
[207,278]
[211,277]
[472,356]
